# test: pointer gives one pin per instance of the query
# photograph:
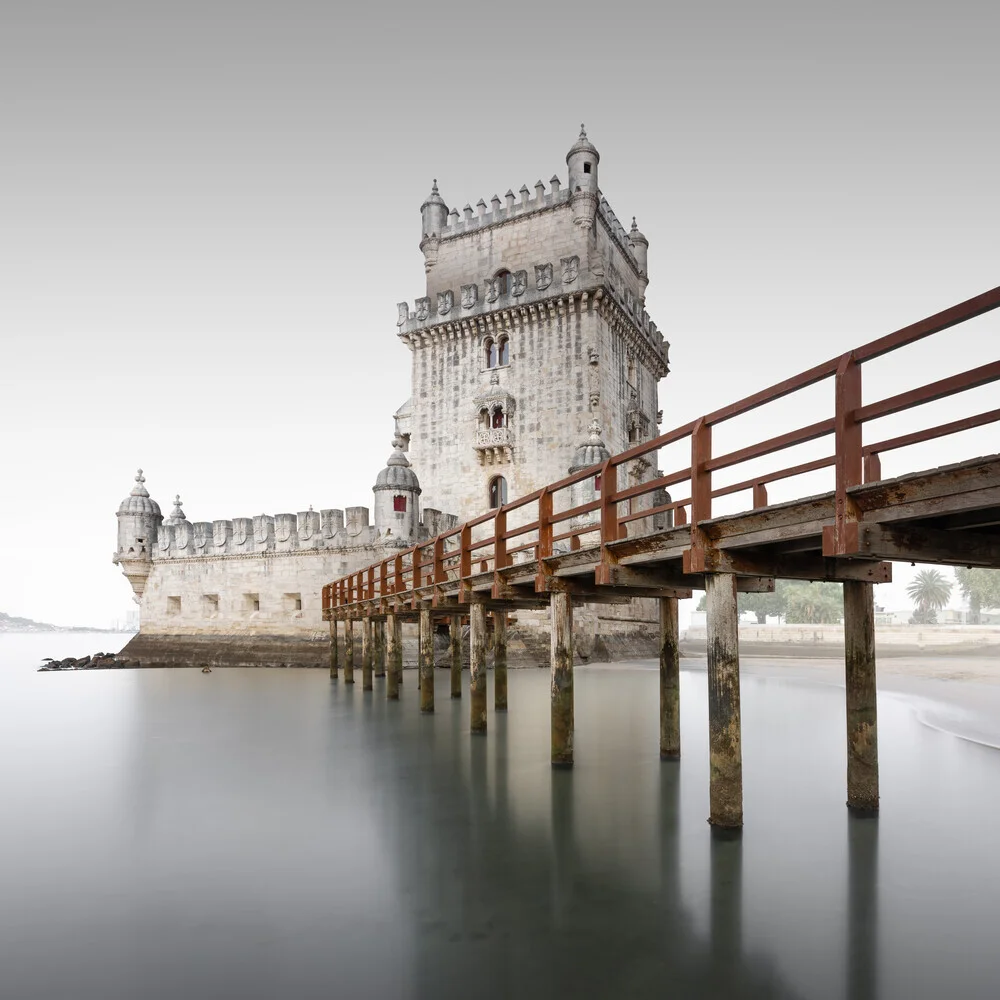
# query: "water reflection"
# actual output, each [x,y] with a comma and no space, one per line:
[269,833]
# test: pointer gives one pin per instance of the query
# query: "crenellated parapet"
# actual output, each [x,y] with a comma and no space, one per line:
[511,207]
[549,287]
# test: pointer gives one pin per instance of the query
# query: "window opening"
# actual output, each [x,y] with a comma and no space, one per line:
[586,168]
[498,492]
[491,353]
[399,503]
[504,351]
[498,417]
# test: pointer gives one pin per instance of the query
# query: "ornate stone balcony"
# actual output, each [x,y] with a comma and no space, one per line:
[494,445]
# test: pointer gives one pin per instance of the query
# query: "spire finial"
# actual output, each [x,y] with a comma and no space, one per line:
[583,131]
[139,477]
[634,226]
[434,186]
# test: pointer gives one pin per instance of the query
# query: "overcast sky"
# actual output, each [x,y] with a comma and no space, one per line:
[208,212]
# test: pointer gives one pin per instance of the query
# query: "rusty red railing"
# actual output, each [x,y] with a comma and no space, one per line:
[555,518]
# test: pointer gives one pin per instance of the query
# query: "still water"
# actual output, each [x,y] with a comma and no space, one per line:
[265,833]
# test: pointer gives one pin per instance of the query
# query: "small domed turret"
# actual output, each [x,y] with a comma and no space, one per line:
[139,520]
[176,515]
[640,246]
[139,500]
[592,451]
[582,160]
[396,489]
[433,213]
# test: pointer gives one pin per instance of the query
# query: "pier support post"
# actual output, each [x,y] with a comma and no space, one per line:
[367,626]
[378,662]
[562,680]
[349,651]
[670,681]
[499,661]
[455,649]
[426,660]
[725,742]
[394,657]
[862,722]
[477,667]
[333,649]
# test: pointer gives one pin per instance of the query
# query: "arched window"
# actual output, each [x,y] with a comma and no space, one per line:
[498,492]
[490,348]
[399,503]
[505,281]
[503,350]
[498,417]
[484,418]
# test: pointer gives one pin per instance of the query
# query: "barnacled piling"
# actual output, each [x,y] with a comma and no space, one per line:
[349,651]
[455,650]
[394,657]
[725,744]
[862,721]
[426,660]
[477,667]
[500,661]
[670,680]
[562,680]
[378,658]
[333,649]
[366,654]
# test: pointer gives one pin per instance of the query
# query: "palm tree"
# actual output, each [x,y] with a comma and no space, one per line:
[929,590]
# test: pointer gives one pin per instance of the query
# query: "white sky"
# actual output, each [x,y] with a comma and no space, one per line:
[209,211]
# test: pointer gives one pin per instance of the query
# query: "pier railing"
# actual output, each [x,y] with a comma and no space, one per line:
[626,497]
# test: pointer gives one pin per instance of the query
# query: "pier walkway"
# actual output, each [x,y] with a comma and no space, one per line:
[613,532]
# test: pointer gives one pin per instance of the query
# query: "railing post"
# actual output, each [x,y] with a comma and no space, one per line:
[849,463]
[701,493]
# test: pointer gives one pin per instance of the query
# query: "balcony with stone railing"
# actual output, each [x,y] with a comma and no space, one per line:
[494,445]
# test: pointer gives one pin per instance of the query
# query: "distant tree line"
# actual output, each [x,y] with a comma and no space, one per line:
[801,603]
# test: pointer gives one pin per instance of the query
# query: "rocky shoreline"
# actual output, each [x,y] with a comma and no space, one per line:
[97,661]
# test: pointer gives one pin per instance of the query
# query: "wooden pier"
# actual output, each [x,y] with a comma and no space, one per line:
[541,550]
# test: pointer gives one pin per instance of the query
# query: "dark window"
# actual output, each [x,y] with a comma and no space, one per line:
[491,353]
[498,417]
[504,351]
[597,482]
[504,278]
[586,168]
[498,492]
[399,503]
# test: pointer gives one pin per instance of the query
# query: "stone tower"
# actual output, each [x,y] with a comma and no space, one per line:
[139,521]
[533,325]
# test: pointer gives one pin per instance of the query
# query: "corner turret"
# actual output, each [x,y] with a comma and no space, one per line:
[640,249]
[139,521]
[593,451]
[582,160]
[397,489]
[433,221]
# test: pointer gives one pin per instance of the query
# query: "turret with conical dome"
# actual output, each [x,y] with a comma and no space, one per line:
[433,220]
[397,492]
[139,521]
[582,160]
